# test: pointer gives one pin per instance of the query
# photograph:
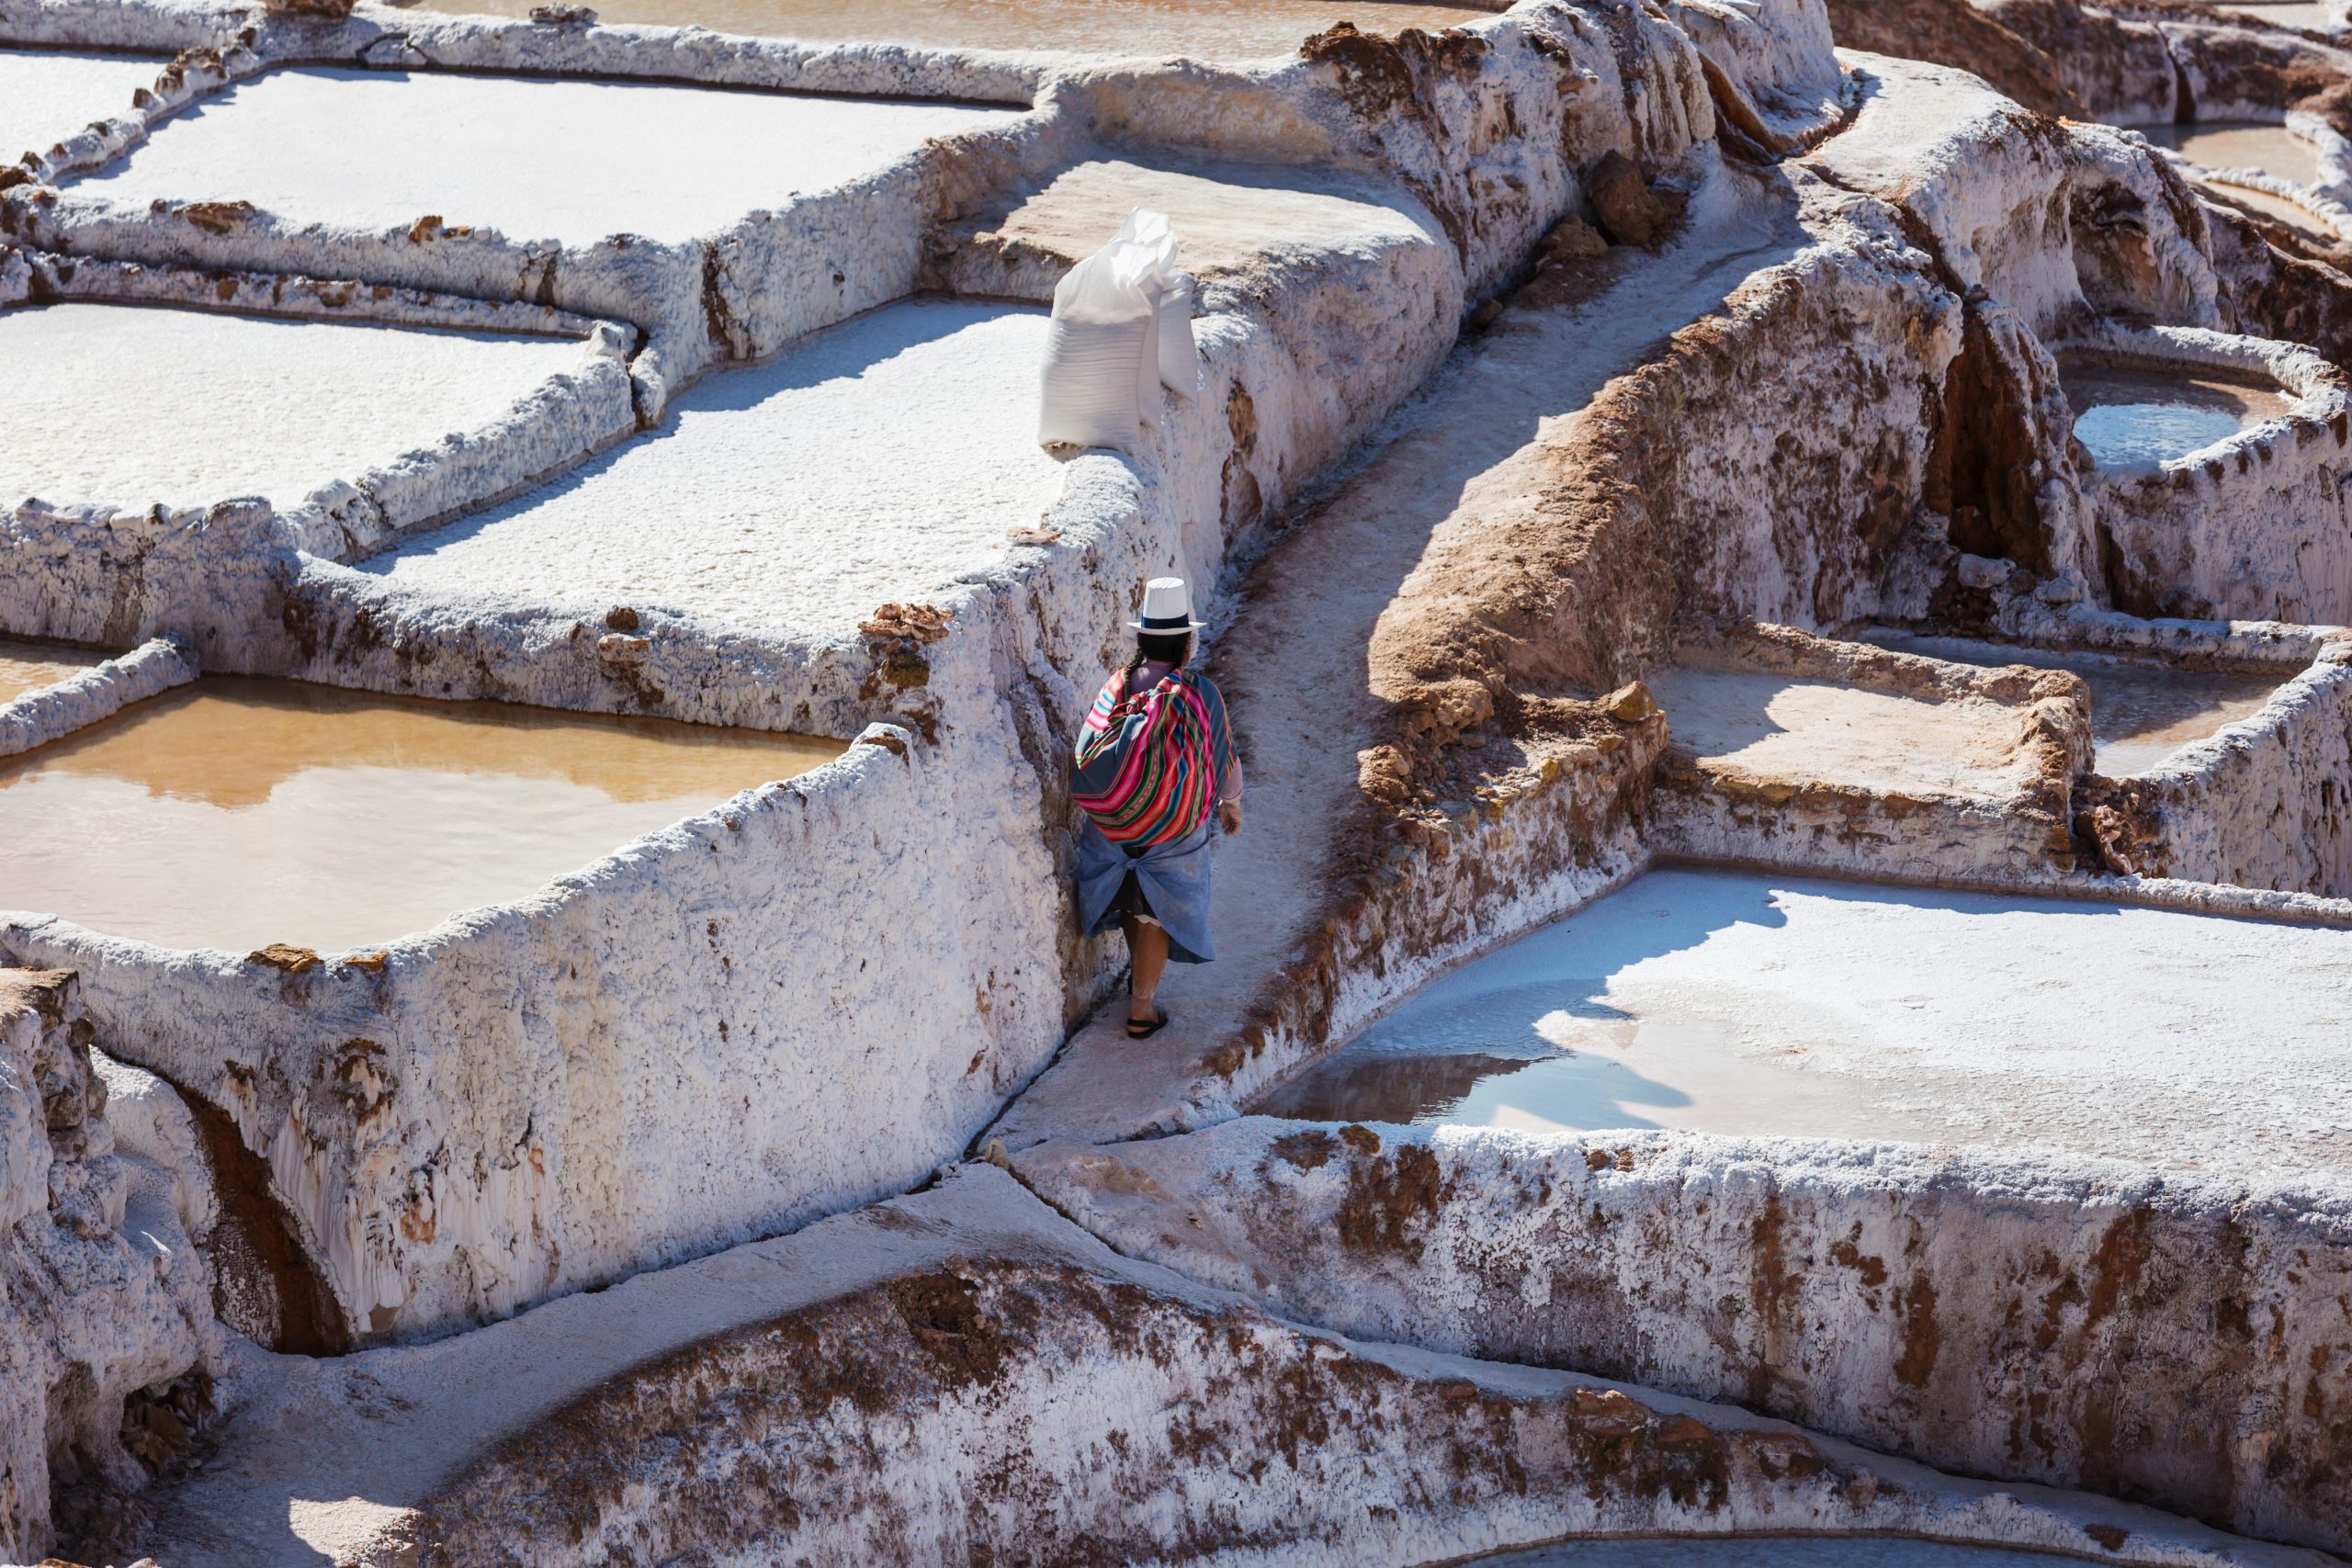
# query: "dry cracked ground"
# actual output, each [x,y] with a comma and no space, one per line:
[1781,568]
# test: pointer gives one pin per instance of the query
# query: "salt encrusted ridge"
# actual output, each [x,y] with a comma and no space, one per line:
[82,699]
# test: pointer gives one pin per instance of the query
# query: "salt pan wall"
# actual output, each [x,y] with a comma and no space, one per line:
[101,1295]
[2250,528]
[1968,1308]
[2260,803]
[2020,830]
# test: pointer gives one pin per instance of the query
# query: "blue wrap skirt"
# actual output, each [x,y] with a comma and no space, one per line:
[1173,880]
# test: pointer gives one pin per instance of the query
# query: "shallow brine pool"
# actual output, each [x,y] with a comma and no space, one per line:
[1736,1003]
[2142,710]
[533,157]
[1201,28]
[29,665]
[138,405]
[2241,144]
[235,813]
[2125,415]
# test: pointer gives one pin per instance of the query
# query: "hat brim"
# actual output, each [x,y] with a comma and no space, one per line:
[1170,631]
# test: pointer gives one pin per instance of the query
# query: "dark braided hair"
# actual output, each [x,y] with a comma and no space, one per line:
[1168,647]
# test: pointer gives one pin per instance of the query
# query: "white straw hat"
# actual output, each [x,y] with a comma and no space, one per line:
[1167,609]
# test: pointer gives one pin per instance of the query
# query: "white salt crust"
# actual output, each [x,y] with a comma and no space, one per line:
[871,464]
[237,405]
[47,96]
[533,157]
[1751,1006]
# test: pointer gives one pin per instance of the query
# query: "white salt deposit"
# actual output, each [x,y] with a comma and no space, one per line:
[138,404]
[1763,1552]
[534,158]
[1725,1002]
[871,463]
[1788,727]
[47,95]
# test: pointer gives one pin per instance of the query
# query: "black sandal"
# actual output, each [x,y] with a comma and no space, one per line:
[1138,1030]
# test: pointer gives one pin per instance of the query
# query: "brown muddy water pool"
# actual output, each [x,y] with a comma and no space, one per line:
[2142,710]
[1755,1005]
[29,665]
[2127,414]
[1217,29]
[1765,1552]
[2240,144]
[233,813]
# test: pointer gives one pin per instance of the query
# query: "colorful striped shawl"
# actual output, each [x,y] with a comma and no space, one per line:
[1147,763]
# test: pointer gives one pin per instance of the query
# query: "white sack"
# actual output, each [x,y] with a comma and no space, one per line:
[1180,357]
[1102,376]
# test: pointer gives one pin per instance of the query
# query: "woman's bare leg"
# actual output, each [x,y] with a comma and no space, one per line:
[1148,950]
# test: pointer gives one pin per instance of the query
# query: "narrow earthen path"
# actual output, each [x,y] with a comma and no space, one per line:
[1482,439]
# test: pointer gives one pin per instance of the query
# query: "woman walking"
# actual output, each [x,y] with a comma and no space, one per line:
[1155,763]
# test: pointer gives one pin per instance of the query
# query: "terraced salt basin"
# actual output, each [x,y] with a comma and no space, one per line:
[2142,710]
[47,95]
[29,665]
[1765,1552]
[236,405]
[2240,144]
[1790,726]
[536,158]
[867,464]
[1744,1004]
[235,813]
[1213,29]
[2129,414]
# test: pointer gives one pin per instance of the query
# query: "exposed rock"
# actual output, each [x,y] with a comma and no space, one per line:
[1572,239]
[1627,209]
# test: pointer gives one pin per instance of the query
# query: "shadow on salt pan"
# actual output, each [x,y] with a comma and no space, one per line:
[1731,1003]
[533,157]
[1769,1551]
[872,462]
[49,94]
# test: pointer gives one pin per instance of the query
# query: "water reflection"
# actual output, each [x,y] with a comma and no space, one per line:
[2126,415]
[2240,144]
[29,666]
[234,812]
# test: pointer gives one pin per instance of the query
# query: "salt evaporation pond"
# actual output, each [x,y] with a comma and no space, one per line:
[46,95]
[533,157]
[197,407]
[2240,144]
[2142,710]
[2128,415]
[1217,29]
[1765,1552]
[29,666]
[1786,725]
[867,464]
[1738,1003]
[235,813]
